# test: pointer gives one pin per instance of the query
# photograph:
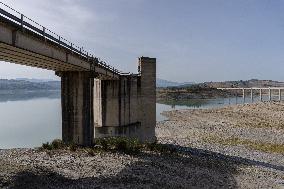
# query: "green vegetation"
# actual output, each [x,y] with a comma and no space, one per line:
[112,144]
[58,144]
[55,145]
[255,145]
[120,144]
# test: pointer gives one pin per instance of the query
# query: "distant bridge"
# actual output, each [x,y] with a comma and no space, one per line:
[97,99]
[260,89]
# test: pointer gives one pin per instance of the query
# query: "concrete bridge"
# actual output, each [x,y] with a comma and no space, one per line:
[260,90]
[97,99]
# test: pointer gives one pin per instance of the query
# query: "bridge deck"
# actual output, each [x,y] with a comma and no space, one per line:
[24,44]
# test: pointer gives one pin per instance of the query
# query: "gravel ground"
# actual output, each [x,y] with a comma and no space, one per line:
[262,124]
[26,168]
[202,161]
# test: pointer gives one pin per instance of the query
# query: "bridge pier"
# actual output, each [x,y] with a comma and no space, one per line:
[244,95]
[269,94]
[127,107]
[77,109]
[95,108]
[251,95]
[147,67]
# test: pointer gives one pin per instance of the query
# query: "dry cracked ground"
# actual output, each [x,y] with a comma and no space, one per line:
[238,146]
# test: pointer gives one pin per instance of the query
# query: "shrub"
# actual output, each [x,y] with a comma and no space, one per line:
[121,144]
[114,144]
[131,146]
[73,147]
[46,146]
[54,145]
[57,144]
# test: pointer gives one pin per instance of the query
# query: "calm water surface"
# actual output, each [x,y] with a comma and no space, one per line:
[27,119]
[204,104]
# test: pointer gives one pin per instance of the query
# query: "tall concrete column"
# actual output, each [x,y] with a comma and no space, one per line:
[147,69]
[244,96]
[269,94]
[279,97]
[260,95]
[251,94]
[77,107]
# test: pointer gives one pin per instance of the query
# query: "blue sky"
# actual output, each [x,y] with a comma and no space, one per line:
[193,40]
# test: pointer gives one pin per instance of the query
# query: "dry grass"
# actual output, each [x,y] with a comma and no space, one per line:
[254,145]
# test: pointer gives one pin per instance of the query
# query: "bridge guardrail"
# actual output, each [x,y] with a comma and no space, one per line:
[27,23]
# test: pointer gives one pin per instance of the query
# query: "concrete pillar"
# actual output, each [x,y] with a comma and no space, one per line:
[260,95]
[147,67]
[269,94]
[77,107]
[251,95]
[279,95]
[116,107]
[244,95]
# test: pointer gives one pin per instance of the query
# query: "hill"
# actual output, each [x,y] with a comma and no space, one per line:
[208,90]
[14,84]
[245,84]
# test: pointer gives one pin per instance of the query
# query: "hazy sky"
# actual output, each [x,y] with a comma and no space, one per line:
[193,40]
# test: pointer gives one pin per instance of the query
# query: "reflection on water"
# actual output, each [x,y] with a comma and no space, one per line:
[16,95]
[29,123]
[27,119]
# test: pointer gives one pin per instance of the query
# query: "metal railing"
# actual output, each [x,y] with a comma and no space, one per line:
[27,23]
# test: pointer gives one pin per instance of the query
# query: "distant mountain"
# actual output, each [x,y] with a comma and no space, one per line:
[166,83]
[35,80]
[242,83]
[223,84]
[13,84]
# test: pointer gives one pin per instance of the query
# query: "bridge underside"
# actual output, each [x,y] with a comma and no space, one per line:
[16,55]
[25,47]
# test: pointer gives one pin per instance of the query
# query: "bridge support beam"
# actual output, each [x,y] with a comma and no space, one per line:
[77,107]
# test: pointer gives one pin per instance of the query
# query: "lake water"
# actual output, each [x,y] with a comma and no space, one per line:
[27,119]
[204,103]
